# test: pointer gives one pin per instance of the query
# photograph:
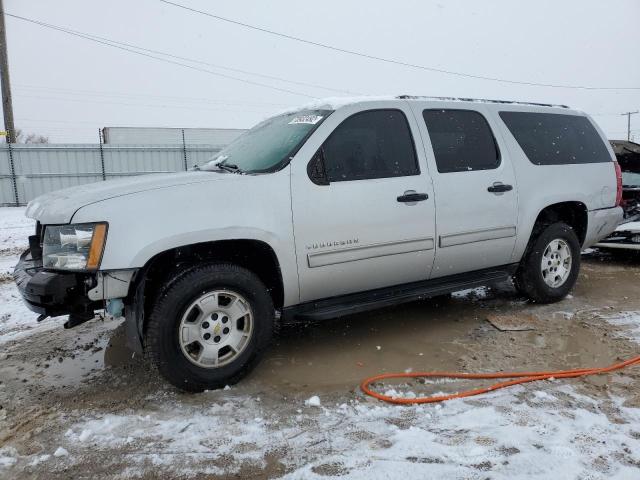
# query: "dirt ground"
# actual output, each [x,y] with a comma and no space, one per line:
[77,404]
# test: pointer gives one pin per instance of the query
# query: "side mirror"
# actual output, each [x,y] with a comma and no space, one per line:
[315,169]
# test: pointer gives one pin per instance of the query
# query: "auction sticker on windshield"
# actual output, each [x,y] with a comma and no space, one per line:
[310,119]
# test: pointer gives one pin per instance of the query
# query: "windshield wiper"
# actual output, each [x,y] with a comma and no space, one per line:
[229,167]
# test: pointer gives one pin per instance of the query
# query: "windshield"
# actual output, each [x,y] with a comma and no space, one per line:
[270,144]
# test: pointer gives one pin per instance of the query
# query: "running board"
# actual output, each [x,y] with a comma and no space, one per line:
[335,307]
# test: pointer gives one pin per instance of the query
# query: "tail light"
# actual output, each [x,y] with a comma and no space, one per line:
[618,183]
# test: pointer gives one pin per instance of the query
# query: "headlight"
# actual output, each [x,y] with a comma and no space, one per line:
[73,247]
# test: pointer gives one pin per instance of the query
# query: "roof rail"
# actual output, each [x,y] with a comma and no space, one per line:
[458,99]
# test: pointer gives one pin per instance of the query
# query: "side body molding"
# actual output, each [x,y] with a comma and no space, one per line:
[476,236]
[362,252]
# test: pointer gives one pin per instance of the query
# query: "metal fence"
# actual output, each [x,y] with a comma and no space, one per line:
[27,171]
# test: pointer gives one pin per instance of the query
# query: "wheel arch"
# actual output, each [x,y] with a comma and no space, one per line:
[573,213]
[165,267]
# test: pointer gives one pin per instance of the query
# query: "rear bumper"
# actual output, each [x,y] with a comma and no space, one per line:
[601,223]
[53,293]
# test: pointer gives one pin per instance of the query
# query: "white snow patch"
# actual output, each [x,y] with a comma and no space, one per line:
[334,103]
[393,393]
[15,228]
[500,435]
[479,292]
[313,401]
[39,459]
[16,320]
[8,457]
[630,321]
[60,452]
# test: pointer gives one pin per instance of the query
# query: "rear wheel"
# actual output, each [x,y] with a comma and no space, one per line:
[551,264]
[210,327]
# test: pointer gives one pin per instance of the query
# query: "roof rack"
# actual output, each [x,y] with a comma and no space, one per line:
[458,99]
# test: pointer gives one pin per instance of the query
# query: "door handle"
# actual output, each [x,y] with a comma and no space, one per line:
[499,187]
[411,196]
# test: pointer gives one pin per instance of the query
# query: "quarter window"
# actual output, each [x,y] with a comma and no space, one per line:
[556,139]
[462,140]
[371,144]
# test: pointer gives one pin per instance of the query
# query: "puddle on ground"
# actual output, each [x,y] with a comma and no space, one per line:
[424,336]
[343,351]
[91,348]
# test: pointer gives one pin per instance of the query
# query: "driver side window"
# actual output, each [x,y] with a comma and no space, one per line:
[370,144]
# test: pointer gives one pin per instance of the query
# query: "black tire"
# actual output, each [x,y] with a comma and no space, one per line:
[529,279]
[161,335]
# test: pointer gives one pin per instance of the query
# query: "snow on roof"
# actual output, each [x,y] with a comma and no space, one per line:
[333,103]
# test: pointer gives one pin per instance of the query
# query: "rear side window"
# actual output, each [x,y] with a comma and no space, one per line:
[556,139]
[371,144]
[462,140]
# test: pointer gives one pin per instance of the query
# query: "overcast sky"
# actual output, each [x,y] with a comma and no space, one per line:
[67,87]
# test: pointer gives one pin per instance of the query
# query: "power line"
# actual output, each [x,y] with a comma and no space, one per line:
[604,114]
[135,95]
[384,59]
[135,105]
[198,61]
[88,124]
[115,44]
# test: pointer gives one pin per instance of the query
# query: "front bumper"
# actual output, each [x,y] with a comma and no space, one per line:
[53,293]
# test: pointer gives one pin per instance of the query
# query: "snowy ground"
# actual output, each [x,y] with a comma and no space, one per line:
[74,404]
[14,228]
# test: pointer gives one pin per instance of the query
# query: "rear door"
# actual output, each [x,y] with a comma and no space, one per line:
[362,203]
[475,188]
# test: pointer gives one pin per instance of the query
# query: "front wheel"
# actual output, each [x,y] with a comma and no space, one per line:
[551,264]
[210,327]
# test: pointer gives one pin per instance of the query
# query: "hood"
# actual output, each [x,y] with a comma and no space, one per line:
[60,206]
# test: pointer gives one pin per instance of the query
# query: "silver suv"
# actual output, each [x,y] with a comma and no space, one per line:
[325,211]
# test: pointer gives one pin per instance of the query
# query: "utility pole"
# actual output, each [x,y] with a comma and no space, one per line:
[628,114]
[7,105]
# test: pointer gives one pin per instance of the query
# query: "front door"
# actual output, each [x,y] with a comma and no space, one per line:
[362,203]
[475,189]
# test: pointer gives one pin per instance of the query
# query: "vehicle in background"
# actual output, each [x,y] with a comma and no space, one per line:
[169,136]
[335,208]
[627,234]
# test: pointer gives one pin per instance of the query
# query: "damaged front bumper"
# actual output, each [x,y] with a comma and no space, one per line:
[79,294]
[53,294]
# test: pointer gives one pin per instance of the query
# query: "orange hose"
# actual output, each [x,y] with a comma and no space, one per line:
[519,377]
